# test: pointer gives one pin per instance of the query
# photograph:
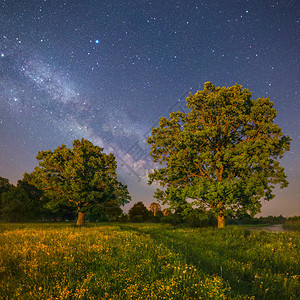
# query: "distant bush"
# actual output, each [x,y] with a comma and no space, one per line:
[248,220]
[15,206]
[200,218]
[293,223]
[172,219]
[123,218]
[139,210]
[137,219]
[156,219]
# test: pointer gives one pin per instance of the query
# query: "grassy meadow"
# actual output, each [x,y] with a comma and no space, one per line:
[146,261]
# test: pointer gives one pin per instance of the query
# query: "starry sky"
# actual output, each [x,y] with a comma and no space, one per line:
[108,70]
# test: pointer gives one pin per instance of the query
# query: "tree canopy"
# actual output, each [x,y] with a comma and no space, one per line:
[155,208]
[4,185]
[78,177]
[23,202]
[138,212]
[223,155]
[15,206]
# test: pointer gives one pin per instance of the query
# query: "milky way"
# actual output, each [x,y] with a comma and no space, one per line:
[107,72]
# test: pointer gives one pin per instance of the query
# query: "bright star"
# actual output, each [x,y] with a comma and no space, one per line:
[97,41]
[2,54]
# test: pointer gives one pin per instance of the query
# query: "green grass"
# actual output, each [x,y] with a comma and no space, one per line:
[146,261]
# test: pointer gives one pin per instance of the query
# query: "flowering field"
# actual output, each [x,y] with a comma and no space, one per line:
[146,261]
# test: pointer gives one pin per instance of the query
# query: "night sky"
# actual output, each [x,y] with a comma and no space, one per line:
[108,70]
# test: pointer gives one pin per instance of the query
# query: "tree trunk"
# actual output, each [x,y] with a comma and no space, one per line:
[221,221]
[80,219]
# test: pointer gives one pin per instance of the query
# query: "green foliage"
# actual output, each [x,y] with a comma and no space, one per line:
[155,208]
[16,206]
[247,219]
[293,223]
[224,153]
[4,185]
[37,199]
[199,218]
[172,219]
[138,212]
[108,211]
[123,218]
[146,261]
[79,178]
[33,192]
[61,212]
[137,219]
[112,210]
[157,218]
[22,203]
[190,217]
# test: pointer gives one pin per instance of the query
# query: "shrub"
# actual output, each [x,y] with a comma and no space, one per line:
[172,219]
[123,218]
[137,219]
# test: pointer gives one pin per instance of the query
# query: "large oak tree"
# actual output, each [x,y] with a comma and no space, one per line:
[223,154]
[81,177]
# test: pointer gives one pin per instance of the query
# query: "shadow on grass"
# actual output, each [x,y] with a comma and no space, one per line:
[211,256]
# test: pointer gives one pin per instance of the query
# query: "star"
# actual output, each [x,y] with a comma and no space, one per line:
[130,63]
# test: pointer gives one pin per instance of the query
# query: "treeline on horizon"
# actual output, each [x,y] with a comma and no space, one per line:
[24,203]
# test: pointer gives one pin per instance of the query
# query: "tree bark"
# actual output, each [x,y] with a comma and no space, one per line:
[221,221]
[80,219]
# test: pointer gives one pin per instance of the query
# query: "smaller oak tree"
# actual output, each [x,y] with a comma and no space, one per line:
[138,212]
[155,208]
[80,178]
